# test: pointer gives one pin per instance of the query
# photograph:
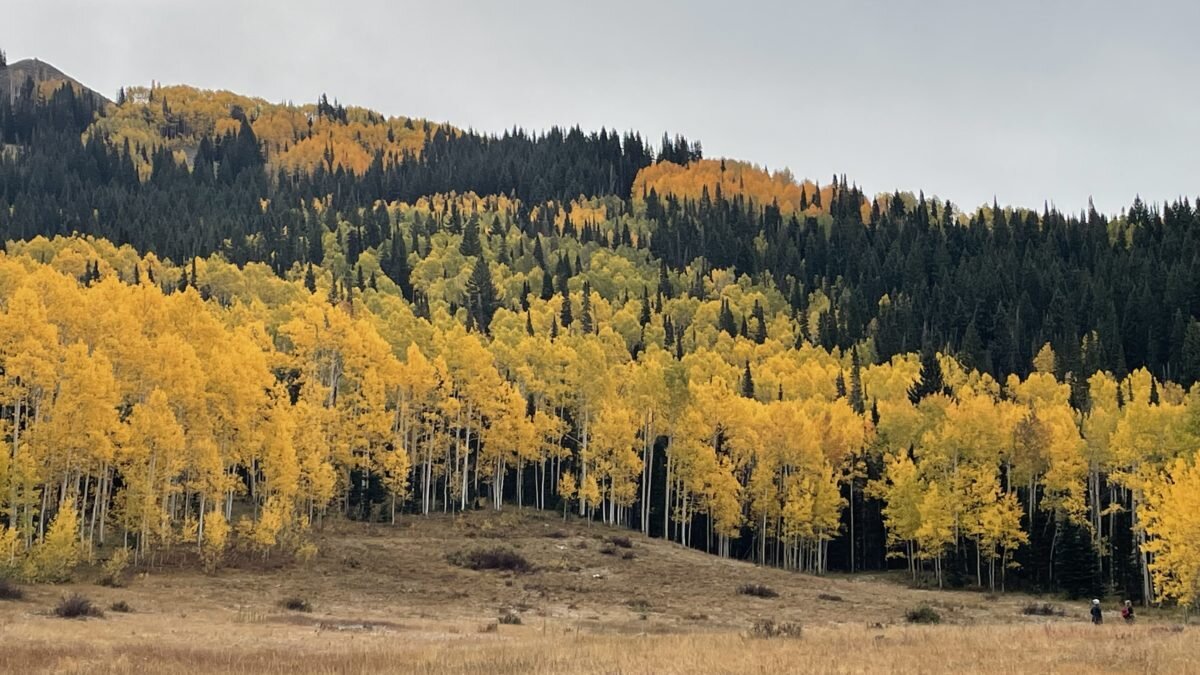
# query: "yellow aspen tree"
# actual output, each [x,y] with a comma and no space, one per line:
[1170,515]
[936,532]
[55,557]
[901,491]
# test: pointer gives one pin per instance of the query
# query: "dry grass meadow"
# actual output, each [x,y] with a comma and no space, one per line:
[384,599]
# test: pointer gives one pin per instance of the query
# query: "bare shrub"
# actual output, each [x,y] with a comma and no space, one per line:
[768,628]
[76,606]
[1043,609]
[10,591]
[757,590]
[498,558]
[296,605]
[923,614]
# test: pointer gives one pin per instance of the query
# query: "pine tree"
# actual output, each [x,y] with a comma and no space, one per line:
[585,309]
[398,269]
[747,383]
[538,255]
[725,320]
[930,381]
[481,295]
[470,245]
[644,316]
[857,398]
[547,286]
[760,323]
[664,283]
[565,317]
[310,279]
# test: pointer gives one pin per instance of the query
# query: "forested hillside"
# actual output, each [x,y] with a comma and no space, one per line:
[226,320]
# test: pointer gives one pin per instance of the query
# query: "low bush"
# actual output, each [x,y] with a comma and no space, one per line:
[510,618]
[498,558]
[621,542]
[1043,609]
[829,597]
[768,628]
[121,606]
[757,590]
[923,614]
[296,605]
[10,591]
[639,605]
[76,606]
[113,572]
[608,549]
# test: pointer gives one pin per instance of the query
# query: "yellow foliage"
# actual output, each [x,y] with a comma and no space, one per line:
[54,559]
[731,178]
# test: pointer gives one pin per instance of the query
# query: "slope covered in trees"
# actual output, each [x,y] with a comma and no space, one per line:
[226,350]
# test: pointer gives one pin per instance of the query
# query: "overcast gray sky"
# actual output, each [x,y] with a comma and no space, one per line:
[1029,101]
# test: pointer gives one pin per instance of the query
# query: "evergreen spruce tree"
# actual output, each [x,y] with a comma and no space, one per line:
[725,320]
[931,381]
[644,316]
[547,286]
[565,316]
[585,309]
[310,279]
[664,283]
[1076,565]
[747,384]
[760,323]
[470,245]
[538,255]
[398,269]
[856,387]
[481,295]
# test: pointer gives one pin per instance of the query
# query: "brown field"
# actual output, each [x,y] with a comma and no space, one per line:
[384,599]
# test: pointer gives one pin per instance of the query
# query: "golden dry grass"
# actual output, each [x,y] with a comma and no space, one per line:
[385,600]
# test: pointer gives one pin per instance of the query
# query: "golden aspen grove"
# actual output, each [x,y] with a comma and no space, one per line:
[229,328]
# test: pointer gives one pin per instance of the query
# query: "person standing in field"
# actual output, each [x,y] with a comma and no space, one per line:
[1127,612]
[1097,615]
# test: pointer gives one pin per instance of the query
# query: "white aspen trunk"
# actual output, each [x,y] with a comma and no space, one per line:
[667,499]
[16,447]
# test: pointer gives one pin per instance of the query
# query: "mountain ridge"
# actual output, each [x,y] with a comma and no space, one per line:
[13,76]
